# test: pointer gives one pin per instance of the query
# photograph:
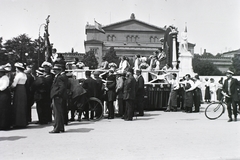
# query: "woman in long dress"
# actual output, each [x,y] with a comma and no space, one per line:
[213,90]
[5,101]
[20,97]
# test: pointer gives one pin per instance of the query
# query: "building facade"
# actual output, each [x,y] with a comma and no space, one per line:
[129,38]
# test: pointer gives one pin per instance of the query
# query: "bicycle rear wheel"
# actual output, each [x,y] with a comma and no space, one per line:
[95,109]
[214,110]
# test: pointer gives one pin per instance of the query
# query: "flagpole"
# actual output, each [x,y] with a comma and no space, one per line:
[94,30]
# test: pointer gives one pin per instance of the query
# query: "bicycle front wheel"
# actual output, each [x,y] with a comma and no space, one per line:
[95,109]
[214,110]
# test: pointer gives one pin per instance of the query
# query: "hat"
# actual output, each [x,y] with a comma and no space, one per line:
[7,67]
[46,64]
[39,72]
[57,67]
[69,74]
[2,69]
[19,65]
[228,71]
[96,73]
[41,69]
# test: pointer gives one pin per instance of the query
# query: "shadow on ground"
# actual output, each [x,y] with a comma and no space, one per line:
[148,115]
[12,138]
[77,130]
[79,123]
[141,119]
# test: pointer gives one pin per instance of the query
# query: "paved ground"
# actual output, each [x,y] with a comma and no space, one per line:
[157,136]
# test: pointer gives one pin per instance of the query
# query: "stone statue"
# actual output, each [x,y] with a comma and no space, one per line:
[183,44]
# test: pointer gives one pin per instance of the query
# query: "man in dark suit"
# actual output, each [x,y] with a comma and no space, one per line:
[91,87]
[59,96]
[100,89]
[230,87]
[111,93]
[129,94]
[139,92]
[30,93]
[47,84]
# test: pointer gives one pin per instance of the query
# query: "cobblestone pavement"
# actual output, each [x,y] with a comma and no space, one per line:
[157,136]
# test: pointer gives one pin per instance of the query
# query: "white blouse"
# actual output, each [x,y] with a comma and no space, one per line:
[20,78]
[4,82]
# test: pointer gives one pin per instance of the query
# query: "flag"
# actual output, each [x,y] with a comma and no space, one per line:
[98,26]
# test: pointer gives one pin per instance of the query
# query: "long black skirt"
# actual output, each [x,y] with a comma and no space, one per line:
[5,109]
[20,106]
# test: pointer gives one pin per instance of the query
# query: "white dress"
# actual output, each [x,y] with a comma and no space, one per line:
[213,91]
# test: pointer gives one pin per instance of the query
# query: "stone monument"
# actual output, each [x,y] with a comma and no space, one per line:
[185,57]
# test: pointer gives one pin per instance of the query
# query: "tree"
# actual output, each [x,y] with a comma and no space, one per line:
[207,54]
[111,56]
[22,47]
[90,60]
[3,57]
[236,64]
[205,68]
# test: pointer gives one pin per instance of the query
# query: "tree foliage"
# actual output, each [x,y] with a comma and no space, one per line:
[3,57]
[236,64]
[90,60]
[22,49]
[111,56]
[205,68]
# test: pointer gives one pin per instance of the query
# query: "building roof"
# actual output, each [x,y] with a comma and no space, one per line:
[132,20]
[232,52]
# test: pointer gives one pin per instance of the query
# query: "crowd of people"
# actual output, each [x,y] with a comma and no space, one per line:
[56,92]
[187,95]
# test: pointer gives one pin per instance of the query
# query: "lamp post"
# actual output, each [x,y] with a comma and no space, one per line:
[44,43]
[39,43]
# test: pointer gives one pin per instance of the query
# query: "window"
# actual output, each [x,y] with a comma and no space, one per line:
[108,38]
[151,39]
[94,50]
[136,38]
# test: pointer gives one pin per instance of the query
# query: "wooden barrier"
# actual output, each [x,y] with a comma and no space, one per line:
[156,87]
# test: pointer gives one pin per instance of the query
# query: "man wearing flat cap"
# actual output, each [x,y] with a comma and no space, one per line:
[230,91]
[129,95]
[47,84]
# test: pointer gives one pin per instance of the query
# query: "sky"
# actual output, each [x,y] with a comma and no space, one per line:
[213,25]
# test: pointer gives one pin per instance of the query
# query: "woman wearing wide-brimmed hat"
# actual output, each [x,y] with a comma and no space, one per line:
[20,96]
[5,100]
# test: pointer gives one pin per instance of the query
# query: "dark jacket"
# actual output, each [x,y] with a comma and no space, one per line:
[111,85]
[59,86]
[233,88]
[90,85]
[129,88]
[140,86]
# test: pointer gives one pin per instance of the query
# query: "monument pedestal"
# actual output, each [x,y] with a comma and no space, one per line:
[185,65]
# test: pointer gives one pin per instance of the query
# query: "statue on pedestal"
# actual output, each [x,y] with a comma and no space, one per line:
[185,57]
[184,43]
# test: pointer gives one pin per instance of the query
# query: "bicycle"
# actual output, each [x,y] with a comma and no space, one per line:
[94,108]
[215,110]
